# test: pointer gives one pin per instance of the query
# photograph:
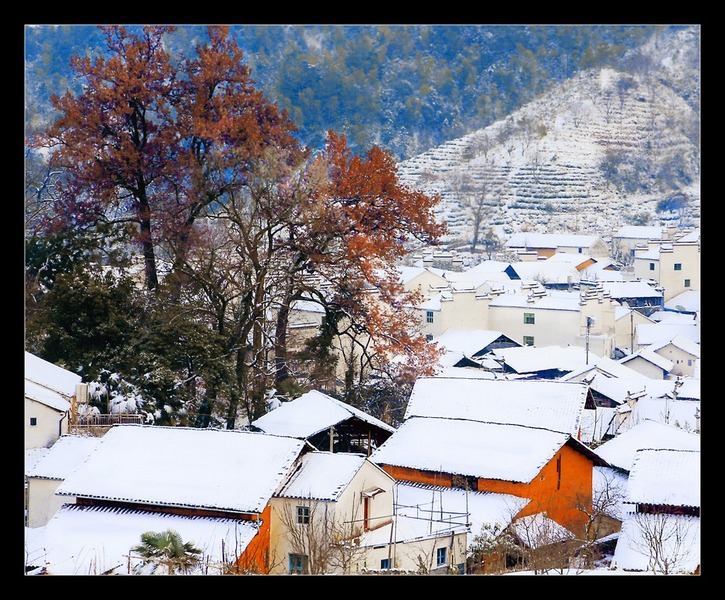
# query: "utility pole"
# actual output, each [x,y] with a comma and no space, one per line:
[590,322]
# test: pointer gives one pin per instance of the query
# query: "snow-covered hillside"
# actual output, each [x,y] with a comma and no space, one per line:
[544,168]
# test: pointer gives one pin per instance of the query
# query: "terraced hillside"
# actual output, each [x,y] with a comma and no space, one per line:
[601,151]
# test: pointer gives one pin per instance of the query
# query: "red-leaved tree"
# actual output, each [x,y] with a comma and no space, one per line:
[152,143]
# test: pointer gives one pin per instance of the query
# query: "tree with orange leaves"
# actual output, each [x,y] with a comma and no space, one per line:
[360,224]
[150,143]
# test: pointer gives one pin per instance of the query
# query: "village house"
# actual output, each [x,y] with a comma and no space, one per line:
[627,237]
[555,475]
[548,244]
[626,322]
[45,475]
[250,502]
[50,391]
[328,498]
[661,518]
[674,266]
[326,423]
[508,437]
[643,296]
[533,317]
[207,485]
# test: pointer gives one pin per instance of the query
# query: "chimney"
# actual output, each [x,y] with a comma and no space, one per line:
[81,394]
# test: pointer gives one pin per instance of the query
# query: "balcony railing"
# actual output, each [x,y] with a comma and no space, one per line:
[104,420]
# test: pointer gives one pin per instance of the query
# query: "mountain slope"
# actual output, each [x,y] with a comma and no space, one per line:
[604,149]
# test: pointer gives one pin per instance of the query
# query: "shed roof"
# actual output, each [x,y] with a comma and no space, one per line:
[310,414]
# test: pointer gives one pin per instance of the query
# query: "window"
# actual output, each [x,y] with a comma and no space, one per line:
[429,316]
[529,319]
[297,563]
[303,515]
[385,564]
[651,266]
[33,421]
[687,283]
[464,482]
[441,557]
[678,266]
[558,472]
[429,337]
[528,340]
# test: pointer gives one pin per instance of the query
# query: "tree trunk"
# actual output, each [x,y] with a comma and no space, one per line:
[281,369]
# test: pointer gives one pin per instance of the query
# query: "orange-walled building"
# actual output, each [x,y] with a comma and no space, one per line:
[562,487]
[255,558]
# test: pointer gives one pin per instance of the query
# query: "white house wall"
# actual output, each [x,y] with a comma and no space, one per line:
[50,424]
[645,368]
[661,268]
[684,361]
[348,508]
[42,501]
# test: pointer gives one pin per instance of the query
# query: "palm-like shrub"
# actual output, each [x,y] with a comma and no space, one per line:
[168,549]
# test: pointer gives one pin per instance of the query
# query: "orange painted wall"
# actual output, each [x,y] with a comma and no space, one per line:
[427,477]
[561,499]
[255,556]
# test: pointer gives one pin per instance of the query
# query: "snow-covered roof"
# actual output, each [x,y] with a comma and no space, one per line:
[620,450]
[602,369]
[63,457]
[533,359]
[46,396]
[640,232]
[547,271]
[468,341]
[553,300]
[665,476]
[552,405]
[50,376]
[681,343]
[470,448]
[311,413]
[446,368]
[87,540]
[322,476]
[631,289]
[550,240]
[307,306]
[692,236]
[688,300]
[654,333]
[409,273]
[621,311]
[650,356]
[474,277]
[489,266]
[185,467]
[682,413]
